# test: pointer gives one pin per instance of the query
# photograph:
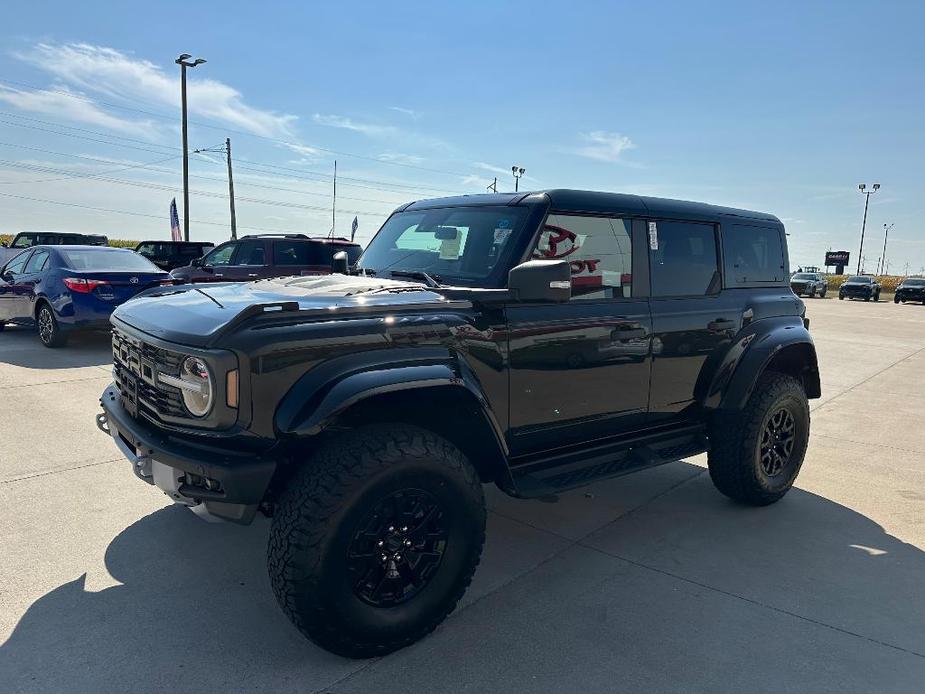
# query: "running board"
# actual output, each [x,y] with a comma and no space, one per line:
[568,470]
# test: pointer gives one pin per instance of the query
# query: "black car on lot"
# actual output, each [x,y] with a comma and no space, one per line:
[809,283]
[911,289]
[860,287]
[168,255]
[28,239]
[535,341]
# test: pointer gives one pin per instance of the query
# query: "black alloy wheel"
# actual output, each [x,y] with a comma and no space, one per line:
[49,332]
[397,548]
[775,447]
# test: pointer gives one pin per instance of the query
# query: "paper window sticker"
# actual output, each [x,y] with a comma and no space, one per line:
[653,236]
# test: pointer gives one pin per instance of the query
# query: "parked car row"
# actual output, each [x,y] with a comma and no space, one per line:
[60,281]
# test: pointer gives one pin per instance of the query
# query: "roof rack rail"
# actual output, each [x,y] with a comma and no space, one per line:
[272,236]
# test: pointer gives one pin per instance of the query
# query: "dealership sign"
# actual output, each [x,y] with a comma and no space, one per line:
[836,258]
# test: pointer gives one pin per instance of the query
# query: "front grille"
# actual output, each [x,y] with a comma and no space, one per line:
[135,367]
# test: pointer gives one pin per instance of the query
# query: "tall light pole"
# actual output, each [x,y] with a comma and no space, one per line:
[867,193]
[182,62]
[518,171]
[886,234]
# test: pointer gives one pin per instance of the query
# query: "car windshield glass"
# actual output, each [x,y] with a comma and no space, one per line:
[23,241]
[804,276]
[859,280]
[913,283]
[104,260]
[462,243]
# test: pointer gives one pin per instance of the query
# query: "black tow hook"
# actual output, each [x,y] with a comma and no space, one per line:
[102,423]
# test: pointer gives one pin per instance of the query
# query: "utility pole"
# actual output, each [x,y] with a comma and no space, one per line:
[226,150]
[867,194]
[517,171]
[334,202]
[886,234]
[181,61]
[234,223]
[493,186]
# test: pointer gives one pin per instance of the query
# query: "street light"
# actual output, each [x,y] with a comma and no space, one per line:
[182,62]
[518,171]
[886,233]
[867,193]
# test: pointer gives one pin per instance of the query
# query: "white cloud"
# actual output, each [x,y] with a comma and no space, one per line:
[411,113]
[304,150]
[603,146]
[65,103]
[500,170]
[345,123]
[116,75]
[401,158]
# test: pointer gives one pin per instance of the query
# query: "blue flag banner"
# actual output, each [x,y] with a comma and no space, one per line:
[174,221]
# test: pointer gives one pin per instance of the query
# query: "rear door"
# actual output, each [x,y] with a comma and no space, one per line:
[10,295]
[32,281]
[693,321]
[580,371]
[299,257]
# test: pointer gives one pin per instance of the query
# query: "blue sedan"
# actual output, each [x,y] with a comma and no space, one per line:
[63,288]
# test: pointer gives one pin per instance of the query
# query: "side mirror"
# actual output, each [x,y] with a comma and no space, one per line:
[3,243]
[541,280]
[339,263]
[196,262]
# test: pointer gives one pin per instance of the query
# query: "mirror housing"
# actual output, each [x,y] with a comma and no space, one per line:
[196,262]
[339,263]
[541,280]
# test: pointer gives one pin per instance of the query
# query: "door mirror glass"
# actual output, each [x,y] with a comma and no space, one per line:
[541,280]
[339,263]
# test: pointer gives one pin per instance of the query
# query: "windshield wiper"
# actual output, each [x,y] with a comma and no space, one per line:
[417,275]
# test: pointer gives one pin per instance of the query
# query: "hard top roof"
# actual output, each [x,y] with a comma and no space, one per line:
[565,200]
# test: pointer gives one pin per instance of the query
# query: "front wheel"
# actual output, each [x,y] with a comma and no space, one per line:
[50,332]
[822,293]
[375,539]
[757,452]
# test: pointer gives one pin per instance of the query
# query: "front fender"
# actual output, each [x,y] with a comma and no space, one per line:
[330,389]
[752,352]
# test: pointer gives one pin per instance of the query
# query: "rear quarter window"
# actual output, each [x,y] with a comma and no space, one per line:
[753,255]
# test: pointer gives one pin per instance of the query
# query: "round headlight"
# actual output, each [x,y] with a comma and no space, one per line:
[198,396]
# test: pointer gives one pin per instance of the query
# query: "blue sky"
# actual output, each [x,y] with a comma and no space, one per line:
[782,107]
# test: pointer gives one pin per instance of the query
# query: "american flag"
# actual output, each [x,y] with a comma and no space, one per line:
[174,221]
[353,228]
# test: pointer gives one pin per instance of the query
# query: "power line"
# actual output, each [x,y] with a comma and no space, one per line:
[203,124]
[303,173]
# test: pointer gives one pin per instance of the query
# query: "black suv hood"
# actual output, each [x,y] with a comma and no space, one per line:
[195,314]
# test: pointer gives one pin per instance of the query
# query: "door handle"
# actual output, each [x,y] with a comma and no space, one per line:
[721,324]
[623,334]
[218,274]
[253,275]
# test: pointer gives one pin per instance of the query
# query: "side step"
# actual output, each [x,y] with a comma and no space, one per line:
[577,468]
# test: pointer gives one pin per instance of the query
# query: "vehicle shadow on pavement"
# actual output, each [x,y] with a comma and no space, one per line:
[195,610]
[20,346]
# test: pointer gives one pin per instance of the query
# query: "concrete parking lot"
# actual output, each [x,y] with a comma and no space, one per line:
[649,583]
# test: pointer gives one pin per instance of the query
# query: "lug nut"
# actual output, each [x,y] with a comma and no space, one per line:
[380,543]
[404,528]
[407,543]
[391,528]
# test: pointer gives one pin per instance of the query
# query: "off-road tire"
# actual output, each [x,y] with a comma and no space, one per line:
[733,459]
[823,292]
[2,325]
[51,336]
[320,511]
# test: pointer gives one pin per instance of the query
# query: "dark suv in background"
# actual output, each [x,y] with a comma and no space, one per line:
[267,255]
[911,289]
[860,287]
[168,255]
[809,283]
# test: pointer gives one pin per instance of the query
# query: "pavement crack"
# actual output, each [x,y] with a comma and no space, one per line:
[56,471]
[751,601]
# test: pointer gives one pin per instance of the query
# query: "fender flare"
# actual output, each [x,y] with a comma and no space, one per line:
[329,390]
[749,356]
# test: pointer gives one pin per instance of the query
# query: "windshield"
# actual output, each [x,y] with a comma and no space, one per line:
[461,243]
[914,283]
[858,280]
[94,260]
[804,276]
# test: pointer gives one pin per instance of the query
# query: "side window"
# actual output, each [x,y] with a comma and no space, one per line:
[250,253]
[146,249]
[682,258]
[292,253]
[24,241]
[599,251]
[15,266]
[220,256]
[37,262]
[752,254]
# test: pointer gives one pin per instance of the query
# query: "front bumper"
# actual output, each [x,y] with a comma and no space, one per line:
[217,482]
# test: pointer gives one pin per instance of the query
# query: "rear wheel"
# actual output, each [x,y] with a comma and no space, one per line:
[822,293]
[50,332]
[376,539]
[757,452]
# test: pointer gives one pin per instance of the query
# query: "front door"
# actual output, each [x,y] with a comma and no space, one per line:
[11,290]
[580,371]
[693,321]
[249,263]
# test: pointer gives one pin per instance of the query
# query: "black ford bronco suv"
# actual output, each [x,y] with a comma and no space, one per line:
[537,341]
